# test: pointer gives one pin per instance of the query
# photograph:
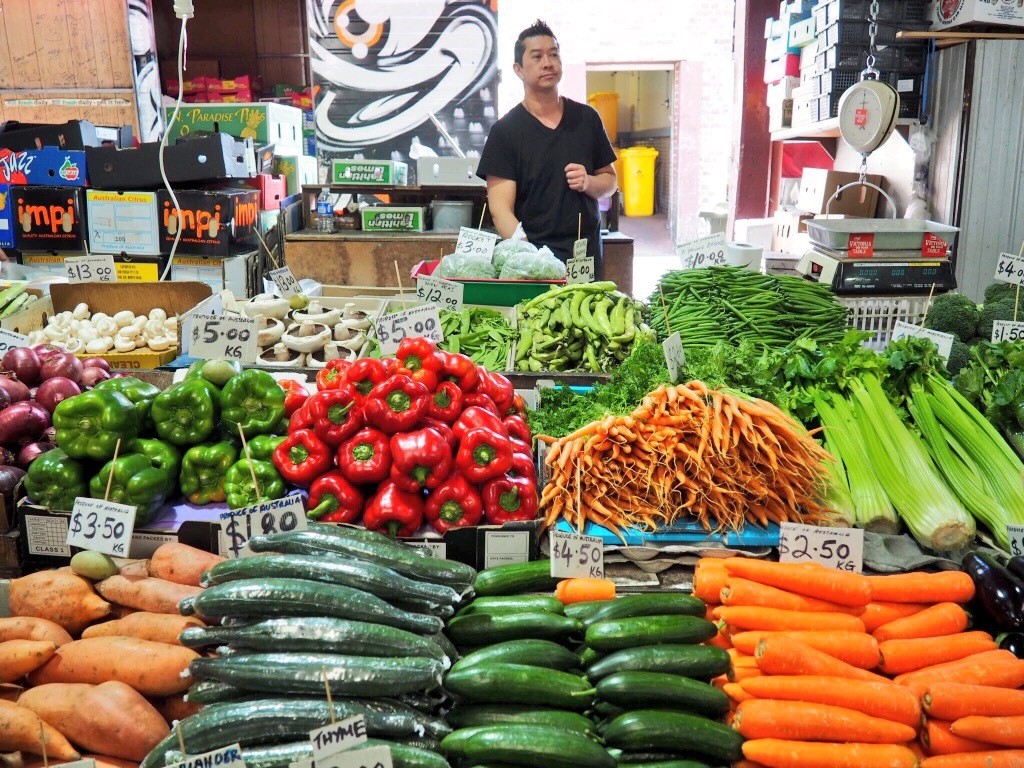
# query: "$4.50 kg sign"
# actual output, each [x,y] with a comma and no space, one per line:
[232,337]
[277,516]
[576,556]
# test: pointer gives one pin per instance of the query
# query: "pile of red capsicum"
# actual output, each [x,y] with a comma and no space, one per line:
[426,435]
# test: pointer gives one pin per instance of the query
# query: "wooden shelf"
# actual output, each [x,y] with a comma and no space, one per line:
[944,39]
[369,189]
[826,129]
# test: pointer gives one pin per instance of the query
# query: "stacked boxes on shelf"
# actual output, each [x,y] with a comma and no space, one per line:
[785,38]
[205,89]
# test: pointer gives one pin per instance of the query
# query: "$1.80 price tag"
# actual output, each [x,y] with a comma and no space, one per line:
[285,281]
[1010,269]
[1016,539]
[475,242]
[575,556]
[419,321]
[10,340]
[579,270]
[704,252]
[839,548]
[232,337]
[101,526]
[944,341]
[277,516]
[447,294]
[94,268]
[675,356]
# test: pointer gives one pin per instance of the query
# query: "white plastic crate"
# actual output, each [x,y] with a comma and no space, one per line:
[878,314]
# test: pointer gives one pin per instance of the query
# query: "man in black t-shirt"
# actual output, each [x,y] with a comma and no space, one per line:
[548,161]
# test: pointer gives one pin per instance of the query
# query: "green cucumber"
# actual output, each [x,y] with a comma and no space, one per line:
[588,656]
[283,755]
[632,758]
[582,610]
[670,731]
[513,604]
[298,597]
[519,684]
[483,628]
[617,634]
[651,604]
[210,692]
[536,746]
[453,745]
[415,605]
[700,662]
[532,653]
[470,716]
[635,690]
[515,578]
[656,764]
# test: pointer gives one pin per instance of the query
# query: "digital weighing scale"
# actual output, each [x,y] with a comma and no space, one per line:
[877,275]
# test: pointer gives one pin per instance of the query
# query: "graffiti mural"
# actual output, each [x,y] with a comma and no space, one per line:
[384,66]
[144,66]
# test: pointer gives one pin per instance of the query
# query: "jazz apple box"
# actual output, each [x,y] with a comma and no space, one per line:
[218,222]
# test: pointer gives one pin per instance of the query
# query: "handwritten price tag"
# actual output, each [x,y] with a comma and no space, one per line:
[575,556]
[675,356]
[1016,539]
[446,294]
[94,268]
[363,757]
[839,548]
[101,526]
[1010,269]
[277,516]
[579,248]
[475,242]
[419,321]
[232,337]
[704,252]
[10,340]
[579,270]
[287,284]
[338,737]
[944,341]
[1007,330]
[225,757]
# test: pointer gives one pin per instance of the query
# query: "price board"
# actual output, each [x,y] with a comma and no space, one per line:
[11,340]
[101,526]
[277,516]
[675,356]
[475,242]
[704,252]
[1009,269]
[1007,330]
[422,321]
[575,556]
[232,337]
[579,270]
[225,757]
[446,294]
[1016,539]
[839,548]
[944,341]
[286,282]
[94,268]
[338,737]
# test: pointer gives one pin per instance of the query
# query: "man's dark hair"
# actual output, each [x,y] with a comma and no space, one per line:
[537,29]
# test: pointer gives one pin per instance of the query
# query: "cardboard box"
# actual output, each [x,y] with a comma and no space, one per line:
[129,269]
[808,54]
[781,115]
[202,159]
[47,166]
[787,66]
[946,14]
[297,170]
[49,218]
[212,222]
[263,122]
[6,217]
[394,218]
[788,226]
[123,222]
[74,134]
[802,33]
[238,274]
[272,189]
[377,173]
[777,47]
[818,184]
[32,317]
[448,171]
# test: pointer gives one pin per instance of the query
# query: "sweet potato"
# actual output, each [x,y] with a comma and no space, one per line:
[146,594]
[19,657]
[158,627]
[21,730]
[153,669]
[176,708]
[31,628]
[181,563]
[102,761]
[111,718]
[58,596]
[10,692]
[136,569]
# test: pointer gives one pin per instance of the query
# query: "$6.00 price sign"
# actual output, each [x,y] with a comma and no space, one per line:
[277,516]
[579,270]
[228,336]
[422,321]
[839,548]
[101,526]
[576,556]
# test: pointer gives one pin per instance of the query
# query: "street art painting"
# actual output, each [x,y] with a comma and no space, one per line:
[383,67]
[144,66]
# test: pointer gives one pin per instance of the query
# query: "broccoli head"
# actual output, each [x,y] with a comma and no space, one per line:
[953,313]
[959,357]
[1002,309]
[999,291]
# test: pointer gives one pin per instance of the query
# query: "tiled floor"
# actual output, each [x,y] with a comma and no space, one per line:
[653,252]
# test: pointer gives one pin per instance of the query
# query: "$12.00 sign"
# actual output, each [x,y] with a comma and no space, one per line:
[101,526]
[447,294]
[422,321]
[229,336]
[574,556]
[839,548]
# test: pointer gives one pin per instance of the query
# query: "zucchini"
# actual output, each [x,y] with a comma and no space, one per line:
[670,731]
[513,604]
[298,597]
[445,645]
[484,628]
[588,656]
[651,604]
[582,610]
[658,764]
[515,578]
[453,745]
[636,690]
[415,605]
[469,716]
[536,746]
[357,574]
[519,684]
[632,758]
[283,755]
[616,634]
[532,653]
[315,634]
[294,673]
[210,692]
[700,662]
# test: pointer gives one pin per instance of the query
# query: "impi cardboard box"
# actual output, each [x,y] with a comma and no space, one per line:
[212,222]
[49,218]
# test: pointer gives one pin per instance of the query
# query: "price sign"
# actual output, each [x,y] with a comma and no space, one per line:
[704,252]
[10,340]
[419,321]
[944,341]
[225,757]
[287,284]
[231,337]
[277,516]
[338,737]
[579,248]
[675,357]
[1016,539]
[101,526]
[1007,330]
[364,757]
[87,762]
[91,269]
[579,270]
[839,548]
[1010,269]
[574,556]
[475,242]
[446,294]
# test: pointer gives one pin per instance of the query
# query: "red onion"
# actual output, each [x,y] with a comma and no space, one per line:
[50,435]
[52,391]
[23,422]
[46,351]
[6,457]
[29,453]
[92,376]
[65,364]
[9,478]
[15,389]
[96,362]
[24,363]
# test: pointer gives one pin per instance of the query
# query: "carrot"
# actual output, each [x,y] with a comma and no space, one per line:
[937,621]
[1003,758]
[918,587]
[739,674]
[31,628]
[877,614]
[855,648]
[1000,669]
[19,657]
[808,721]
[181,563]
[58,596]
[581,590]
[720,682]
[721,640]
[146,594]
[902,656]
[1004,731]
[951,701]
[775,620]
[851,589]
[752,593]
[158,627]
[778,753]
[781,656]
[884,700]
[939,739]
[22,730]
[709,577]
[735,692]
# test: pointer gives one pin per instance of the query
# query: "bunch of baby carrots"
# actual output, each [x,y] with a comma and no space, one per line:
[843,670]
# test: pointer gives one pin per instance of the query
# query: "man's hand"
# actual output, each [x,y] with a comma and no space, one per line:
[576,176]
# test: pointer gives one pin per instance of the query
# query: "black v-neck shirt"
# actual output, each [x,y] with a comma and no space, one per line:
[523,149]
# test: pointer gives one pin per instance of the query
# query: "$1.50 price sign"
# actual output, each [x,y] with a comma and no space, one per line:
[1010,269]
[575,556]
[1016,533]
[944,341]
[839,548]
[1007,330]
[579,270]
[475,242]
[10,340]
[446,294]
[704,252]
[419,321]
[277,516]
[94,268]
[287,284]
[675,356]
[232,337]
[101,526]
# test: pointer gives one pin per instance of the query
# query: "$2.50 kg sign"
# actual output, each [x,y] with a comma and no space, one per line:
[576,556]
[839,548]
[277,516]
[228,336]
[422,321]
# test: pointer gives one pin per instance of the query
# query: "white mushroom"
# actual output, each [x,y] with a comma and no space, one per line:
[343,332]
[271,331]
[159,343]
[87,334]
[106,327]
[141,342]
[81,311]
[171,324]
[74,346]
[267,305]
[53,333]
[99,316]
[157,314]
[122,344]
[280,356]
[139,322]
[315,313]
[99,346]
[355,318]
[155,328]
[124,318]
[36,337]
[355,343]
[130,332]
[307,337]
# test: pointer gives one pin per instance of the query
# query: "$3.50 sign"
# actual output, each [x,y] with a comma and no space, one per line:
[101,526]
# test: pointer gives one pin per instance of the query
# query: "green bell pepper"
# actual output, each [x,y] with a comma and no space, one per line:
[195,371]
[262,447]
[54,480]
[163,455]
[238,484]
[141,393]
[253,399]
[90,424]
[185,414]
[203,470]
[136,482]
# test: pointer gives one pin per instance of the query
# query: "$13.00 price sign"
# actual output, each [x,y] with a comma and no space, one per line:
[94,268]
[446,294]
[287,284]
[228,336]
[579,270]
[409,323]
[1010,269]
[277,516]
[575,556]
[475,242]
[10,340]
[1007,330]
[704,252]
[944,341]
[1016,539]
[839,548]
[101,526]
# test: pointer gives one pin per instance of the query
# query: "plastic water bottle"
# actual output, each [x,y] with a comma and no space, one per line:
[325,211]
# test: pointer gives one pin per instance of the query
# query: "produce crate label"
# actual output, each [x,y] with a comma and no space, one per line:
[419,321]
[1007,330]
[136,272]
[230,337]
[337,737]
[475,242]
[47,535]
[225,757]
[101,526]
[436,549]
[704,252]
[376,172]
[285,281]
[393,218]
[675,355]
[123,222]
[579,248]
[504,547]
[575,556]
[1016,539]
[94,268]
[944,341]
[861,246]
[10,340]
[365,757]
[579,270]
[275,516]
[446,294]
[1010,269]
[839,548]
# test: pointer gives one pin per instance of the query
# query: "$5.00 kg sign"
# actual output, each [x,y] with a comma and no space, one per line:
[229,336]
[422,321]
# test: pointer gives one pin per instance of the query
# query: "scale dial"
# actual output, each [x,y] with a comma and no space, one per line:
[867,114]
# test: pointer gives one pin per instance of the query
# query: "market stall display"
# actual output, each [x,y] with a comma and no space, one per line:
[83,332]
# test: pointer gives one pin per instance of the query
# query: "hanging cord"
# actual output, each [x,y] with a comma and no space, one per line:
[175,209]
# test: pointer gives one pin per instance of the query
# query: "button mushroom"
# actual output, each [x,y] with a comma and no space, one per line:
[271,331]
[99,346]
[280,356]
[266,305]
[315,313]
[307,337]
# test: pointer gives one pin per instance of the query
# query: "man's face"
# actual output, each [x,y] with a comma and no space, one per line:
[542,66]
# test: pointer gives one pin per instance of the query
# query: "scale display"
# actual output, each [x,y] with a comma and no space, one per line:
[860,277]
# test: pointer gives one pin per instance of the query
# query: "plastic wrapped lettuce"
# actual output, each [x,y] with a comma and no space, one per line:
[538,265]
[463,265]
[507,248]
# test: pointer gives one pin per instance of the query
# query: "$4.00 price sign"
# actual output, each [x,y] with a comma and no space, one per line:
[94,268]
[704,252]
[475,242]
[446,294]
[1007,330]
[575,556]
[1010,269]
[101,526]
[839,548]
[10,340]
[579,270]
[422,321]
[287,284]
[1016,539]
[277,516]
[944,341]
[229,336]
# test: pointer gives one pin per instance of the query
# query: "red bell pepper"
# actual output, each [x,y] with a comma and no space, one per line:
[302,457]
[519,448]
[483,455]
[424,376]
[365,374]
[441,428]
[479,401]
[454,504]
[333,499]
[518,428]
[523,466]
[420,459]
[518,406]
[446,403]
[475,417]
[391,365]
[336,416]
[416,353]
[394,512]
[295,394]
[460,369]
[365,457]
[510,498]
[498,388]
[333,375]
[396,404]
[301,419]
